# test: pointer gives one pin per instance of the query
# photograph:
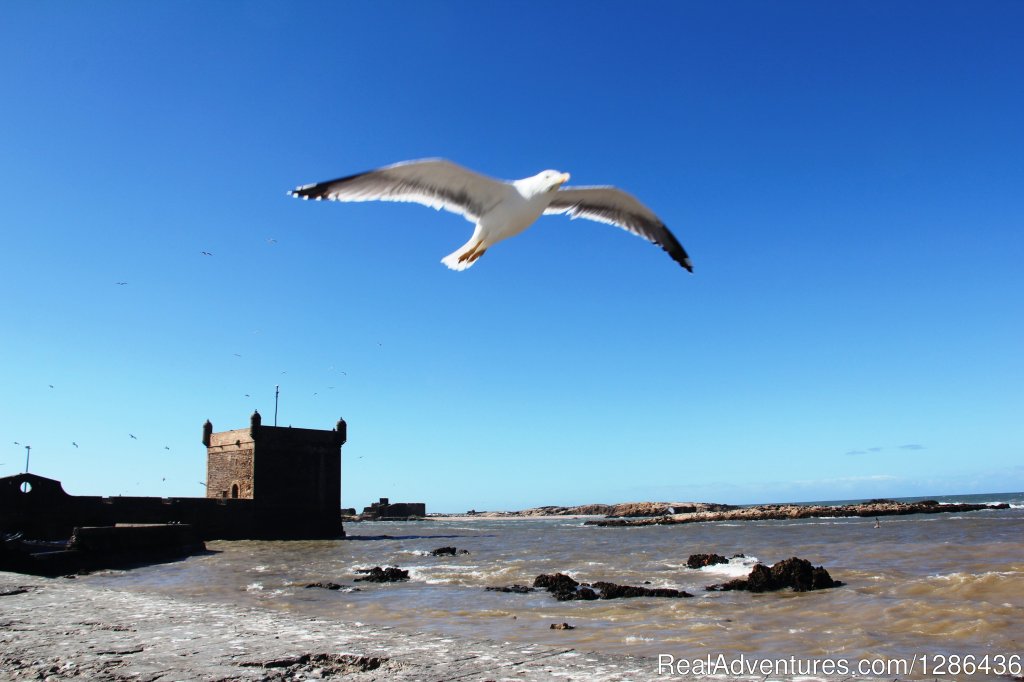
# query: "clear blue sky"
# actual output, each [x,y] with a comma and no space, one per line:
[847,177]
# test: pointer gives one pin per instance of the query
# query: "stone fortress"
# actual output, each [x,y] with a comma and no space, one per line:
[266,482]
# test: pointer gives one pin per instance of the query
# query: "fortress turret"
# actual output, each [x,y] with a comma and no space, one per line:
[342,429]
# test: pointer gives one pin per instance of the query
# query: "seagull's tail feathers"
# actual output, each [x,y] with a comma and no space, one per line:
[465,255]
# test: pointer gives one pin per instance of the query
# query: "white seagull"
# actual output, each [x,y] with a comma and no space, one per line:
[498,209]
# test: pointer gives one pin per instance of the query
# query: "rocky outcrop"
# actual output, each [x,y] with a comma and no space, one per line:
[383,575]
[518,589]
[621,510]
[324,586]
[702,560]
[565,588]
[799,511]
[798,574]
[648,509]
[448,551]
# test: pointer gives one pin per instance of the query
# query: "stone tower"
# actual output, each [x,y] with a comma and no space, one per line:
[291,475]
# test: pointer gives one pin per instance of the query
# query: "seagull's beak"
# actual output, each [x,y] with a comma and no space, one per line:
[564,179]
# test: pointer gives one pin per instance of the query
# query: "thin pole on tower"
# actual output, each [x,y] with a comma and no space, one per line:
[277,392]
[28,453]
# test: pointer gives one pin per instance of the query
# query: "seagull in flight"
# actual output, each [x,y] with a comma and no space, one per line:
[498,209]
[74,443]
[133,436]
[206,253]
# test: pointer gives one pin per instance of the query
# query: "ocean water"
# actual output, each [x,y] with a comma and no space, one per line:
[935,586]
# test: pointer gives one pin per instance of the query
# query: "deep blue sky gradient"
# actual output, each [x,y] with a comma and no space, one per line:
[847,178]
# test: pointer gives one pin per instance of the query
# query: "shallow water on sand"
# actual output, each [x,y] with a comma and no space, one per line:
[941,584]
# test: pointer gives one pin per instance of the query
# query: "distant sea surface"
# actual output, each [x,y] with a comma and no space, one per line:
[934,585]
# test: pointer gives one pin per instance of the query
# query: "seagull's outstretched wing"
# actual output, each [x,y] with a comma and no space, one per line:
[615,207]
[432,182]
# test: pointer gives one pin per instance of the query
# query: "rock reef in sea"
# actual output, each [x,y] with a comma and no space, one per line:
[702,560]
[798,574]
[383,575]
[448,551]
[785,512]
[565,588]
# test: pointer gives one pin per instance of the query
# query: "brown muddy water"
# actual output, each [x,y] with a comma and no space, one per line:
[934,586]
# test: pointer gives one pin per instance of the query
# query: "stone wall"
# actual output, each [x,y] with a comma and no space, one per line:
[229,465]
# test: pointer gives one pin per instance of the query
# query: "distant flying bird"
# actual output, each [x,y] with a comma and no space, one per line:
[498,209]
[166,448]
[246,395]
[74,443]
[133,436]
[237,355]
[51,385]
[17,443]
[271,241]
[121,283]
[206,253]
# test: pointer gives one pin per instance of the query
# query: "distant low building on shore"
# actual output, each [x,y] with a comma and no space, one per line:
[386,510]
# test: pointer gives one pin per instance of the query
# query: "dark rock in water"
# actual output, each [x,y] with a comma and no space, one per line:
[821,580]
[559,582]
[448,551]
[582,594]
[613,591]
[518,589]
[562,626]
[793,572]
[798,574]
[385,575]
[565,588]
[325,586]
[702,560]
[760,579]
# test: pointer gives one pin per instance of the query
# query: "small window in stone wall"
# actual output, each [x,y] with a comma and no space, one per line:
[234,491]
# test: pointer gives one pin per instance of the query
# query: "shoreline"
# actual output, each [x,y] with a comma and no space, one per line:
[62,628]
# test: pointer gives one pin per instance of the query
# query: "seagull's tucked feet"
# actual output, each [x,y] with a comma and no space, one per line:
[465,256]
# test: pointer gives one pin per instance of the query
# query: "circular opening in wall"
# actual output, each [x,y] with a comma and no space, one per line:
[26,487]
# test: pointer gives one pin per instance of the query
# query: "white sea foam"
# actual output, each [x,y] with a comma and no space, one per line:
[738,567]
[254,587]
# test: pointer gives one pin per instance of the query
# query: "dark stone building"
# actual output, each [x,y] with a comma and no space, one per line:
[262,482]
[385,510]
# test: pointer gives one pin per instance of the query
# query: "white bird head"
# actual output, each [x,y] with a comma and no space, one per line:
[547,181]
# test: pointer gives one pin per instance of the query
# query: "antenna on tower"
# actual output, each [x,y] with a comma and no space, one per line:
[277,392]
